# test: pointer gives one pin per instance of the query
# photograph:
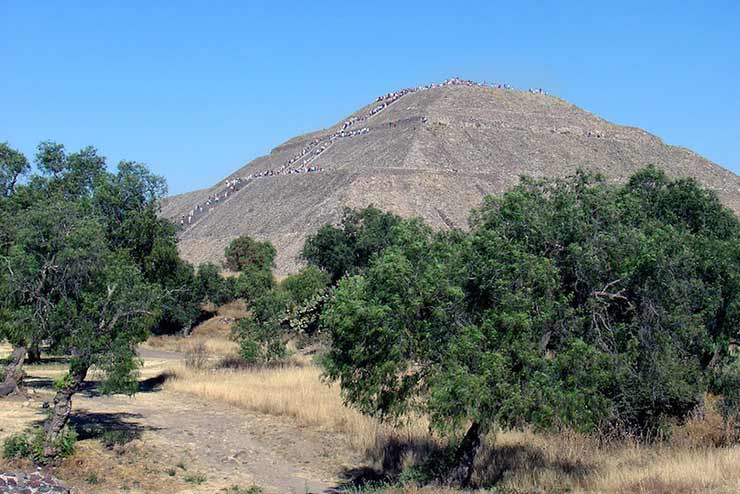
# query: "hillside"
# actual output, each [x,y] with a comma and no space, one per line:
[432,152]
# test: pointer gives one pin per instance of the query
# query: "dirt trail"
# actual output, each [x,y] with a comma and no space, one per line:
[235,446]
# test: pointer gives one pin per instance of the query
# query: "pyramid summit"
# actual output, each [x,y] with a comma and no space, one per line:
[432,151]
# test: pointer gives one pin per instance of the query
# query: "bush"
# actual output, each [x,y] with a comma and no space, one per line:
[252,283]
[260,342]
[194,478]
[305,284]
[244,252]
[197,356]
[16,446]
[235,489]
[30,445]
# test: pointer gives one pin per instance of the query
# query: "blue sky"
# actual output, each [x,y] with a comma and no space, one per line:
[197,89]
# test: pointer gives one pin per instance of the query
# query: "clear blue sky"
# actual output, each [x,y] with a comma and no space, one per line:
[197,89]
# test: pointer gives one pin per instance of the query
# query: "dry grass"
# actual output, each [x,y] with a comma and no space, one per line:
[294,391]
[214,334]
[516,461]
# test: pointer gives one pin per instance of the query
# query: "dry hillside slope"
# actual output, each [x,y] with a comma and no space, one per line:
[432,153]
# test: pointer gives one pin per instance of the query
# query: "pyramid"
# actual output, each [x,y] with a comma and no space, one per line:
[433,151]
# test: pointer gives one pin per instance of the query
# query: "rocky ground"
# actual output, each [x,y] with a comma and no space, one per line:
[33,483]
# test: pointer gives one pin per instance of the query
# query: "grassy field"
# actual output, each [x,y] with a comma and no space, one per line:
[213,334]
[517,461]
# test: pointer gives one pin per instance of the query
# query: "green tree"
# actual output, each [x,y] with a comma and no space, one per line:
[262,333]
[212,287]
[13,165]
[350,246]
[101,328]
[570,303]
[245,252]
[83,259]
[305,284]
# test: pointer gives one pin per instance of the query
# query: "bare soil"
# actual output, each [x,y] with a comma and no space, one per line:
[187,443]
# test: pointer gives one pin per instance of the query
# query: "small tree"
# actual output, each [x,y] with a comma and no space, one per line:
[263,332]
[212,287]
[350,246]
[101,328]
[83,248]
[245,252]
[13,165]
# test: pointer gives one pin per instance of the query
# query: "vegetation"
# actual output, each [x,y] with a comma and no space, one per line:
[88,270]
[571,303]
[350,246]
[245,253]
[572,311]
[30,445]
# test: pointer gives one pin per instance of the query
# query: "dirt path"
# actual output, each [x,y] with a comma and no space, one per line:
[234,446]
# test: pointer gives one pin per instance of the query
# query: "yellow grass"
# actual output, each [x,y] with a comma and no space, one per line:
[214,334]
[221,347]
[295,392]
[521,461]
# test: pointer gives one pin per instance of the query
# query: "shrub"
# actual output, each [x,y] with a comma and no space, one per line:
[16,446]
[194,478]
[235,489]
[253,282]
[197,356]
[260,342]
[30,445]
[245,252]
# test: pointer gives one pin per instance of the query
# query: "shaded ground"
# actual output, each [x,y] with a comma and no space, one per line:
[227,445]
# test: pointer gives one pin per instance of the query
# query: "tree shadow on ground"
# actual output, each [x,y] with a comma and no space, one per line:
[117,428]
[431,461]
[110,428]
[153,384]
[48,360]
[38,383]
[501,462]
[389,456]
[91,388]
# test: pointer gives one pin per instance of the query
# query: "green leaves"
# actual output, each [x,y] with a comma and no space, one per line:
[344,249]
[245,253]
[13,165]
[570,302]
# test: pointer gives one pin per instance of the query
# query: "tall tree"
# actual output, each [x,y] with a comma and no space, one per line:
[570,303]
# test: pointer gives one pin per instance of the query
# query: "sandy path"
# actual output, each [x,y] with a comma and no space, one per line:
[236,447]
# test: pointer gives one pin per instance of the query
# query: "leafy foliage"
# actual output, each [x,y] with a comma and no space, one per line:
[351,245]
[89,268]
[245,252]
[30,445]
[570,303]
[262,333]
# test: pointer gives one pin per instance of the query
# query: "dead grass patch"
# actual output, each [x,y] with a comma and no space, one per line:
[214,334]
[515,461]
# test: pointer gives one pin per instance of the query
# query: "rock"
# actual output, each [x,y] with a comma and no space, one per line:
[34,483]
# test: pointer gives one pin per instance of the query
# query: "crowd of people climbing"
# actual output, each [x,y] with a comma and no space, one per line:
[301,162]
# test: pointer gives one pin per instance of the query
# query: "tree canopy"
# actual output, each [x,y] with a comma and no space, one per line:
[244,253]
[88,268]
[346,248]
[570,303]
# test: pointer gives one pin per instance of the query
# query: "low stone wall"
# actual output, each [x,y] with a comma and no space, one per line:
[33,483]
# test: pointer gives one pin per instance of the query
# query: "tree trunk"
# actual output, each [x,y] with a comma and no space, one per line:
[34,354]
[13,372]
[61,410]
[465,457]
